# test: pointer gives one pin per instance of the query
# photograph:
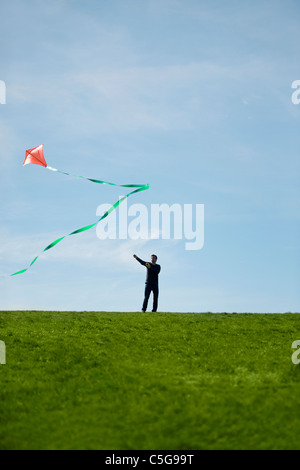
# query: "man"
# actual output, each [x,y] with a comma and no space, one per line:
[153,271]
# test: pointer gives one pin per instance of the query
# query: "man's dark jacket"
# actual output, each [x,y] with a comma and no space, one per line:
[152,272]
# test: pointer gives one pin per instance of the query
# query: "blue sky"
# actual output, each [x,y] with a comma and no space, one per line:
[192,97]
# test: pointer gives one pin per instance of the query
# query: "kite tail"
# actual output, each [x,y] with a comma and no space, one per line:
[97,181]
[88,227]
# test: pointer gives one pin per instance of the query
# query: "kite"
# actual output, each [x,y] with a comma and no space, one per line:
[36,156]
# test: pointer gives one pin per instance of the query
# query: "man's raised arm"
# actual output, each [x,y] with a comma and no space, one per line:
[140,260]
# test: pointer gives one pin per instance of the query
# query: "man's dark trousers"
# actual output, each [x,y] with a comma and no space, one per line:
[148,289]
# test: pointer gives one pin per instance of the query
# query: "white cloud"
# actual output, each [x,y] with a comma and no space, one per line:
[18,250]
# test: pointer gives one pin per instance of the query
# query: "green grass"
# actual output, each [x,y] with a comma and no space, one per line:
[173,381]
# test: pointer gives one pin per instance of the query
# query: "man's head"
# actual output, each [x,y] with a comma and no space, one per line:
[153,259]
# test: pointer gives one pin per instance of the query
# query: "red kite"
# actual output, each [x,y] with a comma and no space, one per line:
[36,156]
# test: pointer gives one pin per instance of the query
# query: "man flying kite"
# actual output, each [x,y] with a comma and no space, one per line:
[153,271]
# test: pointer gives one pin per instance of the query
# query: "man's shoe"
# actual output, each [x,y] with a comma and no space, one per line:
[143,310]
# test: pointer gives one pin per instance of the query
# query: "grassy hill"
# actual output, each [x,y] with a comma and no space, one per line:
[173,381]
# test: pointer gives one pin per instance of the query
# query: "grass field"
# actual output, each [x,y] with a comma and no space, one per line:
[164,381]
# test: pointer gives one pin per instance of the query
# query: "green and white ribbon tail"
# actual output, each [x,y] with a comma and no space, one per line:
[35,156]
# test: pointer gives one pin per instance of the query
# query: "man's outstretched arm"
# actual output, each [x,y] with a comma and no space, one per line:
[141,261]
